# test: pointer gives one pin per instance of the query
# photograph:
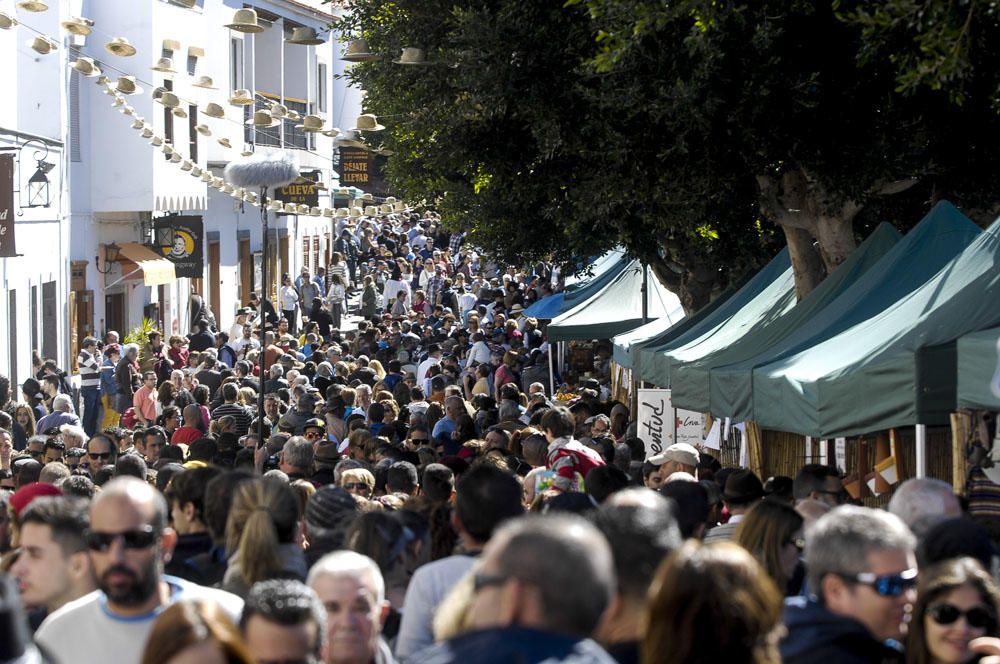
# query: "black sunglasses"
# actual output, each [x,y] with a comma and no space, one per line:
[100,455]
[480,581]
[419,441]
[355,486]
[137,538]
[978,617]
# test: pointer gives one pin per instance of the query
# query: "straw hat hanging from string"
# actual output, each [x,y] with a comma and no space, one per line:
[245,20]
[120,46]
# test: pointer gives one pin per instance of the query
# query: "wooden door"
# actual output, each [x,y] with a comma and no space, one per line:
[246,272]
[214,287]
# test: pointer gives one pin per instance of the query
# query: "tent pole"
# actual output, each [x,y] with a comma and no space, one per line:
[824,451]
[809,449]
[552,378]
[645,293]
[921,445]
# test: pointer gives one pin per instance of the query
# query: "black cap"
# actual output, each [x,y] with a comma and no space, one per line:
[743,487]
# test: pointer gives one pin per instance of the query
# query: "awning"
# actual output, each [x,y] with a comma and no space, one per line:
[978,378]
[155,269]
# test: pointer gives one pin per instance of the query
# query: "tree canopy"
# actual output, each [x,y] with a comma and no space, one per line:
[697,132]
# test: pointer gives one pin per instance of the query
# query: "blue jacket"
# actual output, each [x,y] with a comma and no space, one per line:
[514,644]
[816,635]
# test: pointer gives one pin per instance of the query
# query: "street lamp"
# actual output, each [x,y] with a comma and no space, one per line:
[38,185]
[111,252]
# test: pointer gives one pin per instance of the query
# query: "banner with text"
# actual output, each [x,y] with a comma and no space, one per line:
[656,421]
[181,240]
[7,247]
[661,425]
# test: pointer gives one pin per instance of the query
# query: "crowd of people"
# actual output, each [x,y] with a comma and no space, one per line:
[413,491]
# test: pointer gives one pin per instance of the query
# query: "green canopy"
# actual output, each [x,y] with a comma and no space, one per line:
[896,368]
[603,271]
[768,293]
[689,380]
[939,237]
[616,308]
[624,343]
[979,370]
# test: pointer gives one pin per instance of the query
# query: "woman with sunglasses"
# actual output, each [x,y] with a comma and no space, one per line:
[957,602]
[772,533]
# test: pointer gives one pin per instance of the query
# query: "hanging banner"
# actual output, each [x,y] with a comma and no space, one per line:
[299,192]
[7,247]
[181,240]
[690,427]
[656,420]
[355,167]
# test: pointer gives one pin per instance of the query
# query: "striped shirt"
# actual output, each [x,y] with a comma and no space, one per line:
[90,369]
[242,417]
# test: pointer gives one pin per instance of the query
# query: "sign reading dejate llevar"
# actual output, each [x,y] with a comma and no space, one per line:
[186,241]
[7,247]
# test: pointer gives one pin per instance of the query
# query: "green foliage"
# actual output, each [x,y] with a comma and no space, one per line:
[140,334]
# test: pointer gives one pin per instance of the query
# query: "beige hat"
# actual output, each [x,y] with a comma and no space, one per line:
[32,6]
[171,45]
[168,99]
[206,177]
[205,82]
[196,172]
[311,123]
[7,21]
[217,182]
[179,112]
[412,56]
[351,139]
[156,142]
[278,110]
[147,132]
[368,122]
[341,213]
[367,197]
[315,212]
[328,212]
[245,20]
[371,210]
[385,152]
[127,110]
[213,110]
[682,453]
[119,101]
[224,142]
[227,188]
[186,165]
[86,66]
[169,150]
[126,86]
[384,209]
[357,51]
[121,47]
[275,205]
[357,213]
[203,130]
[165,65]
[138,124]
[293,115]
[241,97]
[332,132]
[263,120]
[304,37]
[43,45]
[78,25]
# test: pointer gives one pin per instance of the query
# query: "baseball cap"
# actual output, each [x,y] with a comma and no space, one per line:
[682,453]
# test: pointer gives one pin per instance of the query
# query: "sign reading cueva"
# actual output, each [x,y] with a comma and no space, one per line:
[180,239]
[300,192]
[7,247]
[355,167]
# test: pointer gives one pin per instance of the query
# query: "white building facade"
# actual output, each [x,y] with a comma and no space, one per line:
[110,186]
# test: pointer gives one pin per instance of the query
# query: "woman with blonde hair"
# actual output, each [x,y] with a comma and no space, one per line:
[261,535]
[358,481]
[772,533]
[195,631]
[377,367]
[712,603]
[359,444]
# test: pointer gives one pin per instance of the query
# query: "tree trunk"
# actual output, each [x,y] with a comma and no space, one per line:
[807,266]
[836,240]
[693,286]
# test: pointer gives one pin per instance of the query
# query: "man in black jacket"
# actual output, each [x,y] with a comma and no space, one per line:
[862,573]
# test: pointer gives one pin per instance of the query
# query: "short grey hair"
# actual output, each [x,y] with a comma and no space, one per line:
[568,559]
[76,432]
[298,452]
[922,502]
[62,402]
[840,541]
[508,410]
[351,565]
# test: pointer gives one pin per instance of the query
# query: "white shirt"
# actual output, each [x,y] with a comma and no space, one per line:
[480,352]
[85,631]
[289,298]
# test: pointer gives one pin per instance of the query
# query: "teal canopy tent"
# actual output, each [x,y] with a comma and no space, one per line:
[896,368]
[616,308]
[979,370]
[689,379]
[941,235]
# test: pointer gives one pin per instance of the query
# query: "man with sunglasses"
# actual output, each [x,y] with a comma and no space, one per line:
[862,575]
[100,453]
[128,542]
